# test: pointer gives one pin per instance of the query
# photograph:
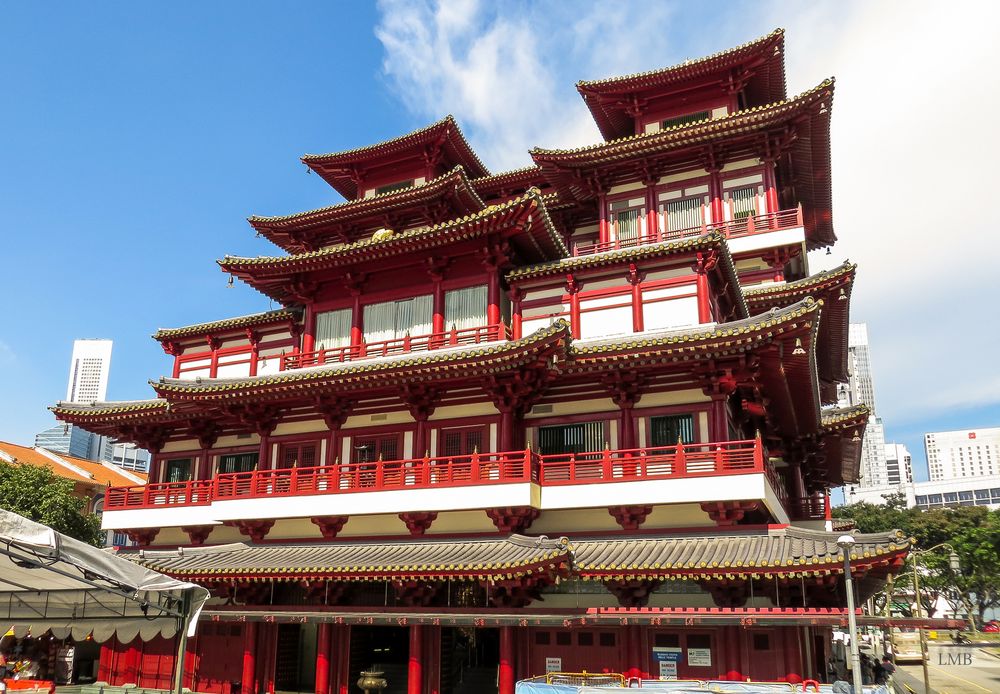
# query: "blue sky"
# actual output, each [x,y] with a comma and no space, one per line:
[136,138]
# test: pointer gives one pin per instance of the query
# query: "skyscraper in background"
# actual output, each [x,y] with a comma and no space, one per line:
[860,389]
[898,464]
[88,371]
[963,453]
[89,368]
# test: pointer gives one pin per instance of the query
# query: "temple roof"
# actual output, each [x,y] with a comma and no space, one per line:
[289,231]
[499,184]
[718,335]
[787,549]
[686,134]
[105,409]
[609,98]
[516,555]
[265,318]
[574,171]
[840,443]
[270,275]
[436,365]
[834,288]
[337,168]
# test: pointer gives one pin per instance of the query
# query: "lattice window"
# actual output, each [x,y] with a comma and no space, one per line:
[238,462]
[667,429]
[571,438]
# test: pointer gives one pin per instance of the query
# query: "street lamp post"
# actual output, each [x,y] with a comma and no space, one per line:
[846,542]
[953,562]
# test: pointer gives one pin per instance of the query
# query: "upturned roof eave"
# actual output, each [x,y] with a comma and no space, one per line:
[612,121]
[446,128]
[685,135]
[454,180]
[171,389]
[226,324]
[255,271]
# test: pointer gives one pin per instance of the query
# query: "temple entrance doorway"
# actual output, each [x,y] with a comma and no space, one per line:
[470,657]
[294,658]
[387,649]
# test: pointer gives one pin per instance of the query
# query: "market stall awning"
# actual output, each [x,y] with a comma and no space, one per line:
[50,581]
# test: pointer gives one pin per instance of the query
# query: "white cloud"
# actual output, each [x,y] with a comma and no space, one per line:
[914,142]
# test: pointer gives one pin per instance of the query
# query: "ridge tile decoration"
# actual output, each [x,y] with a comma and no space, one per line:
[618,348]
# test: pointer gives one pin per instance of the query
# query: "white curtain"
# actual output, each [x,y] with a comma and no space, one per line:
[380,321]
[465,308]
[394,319]
[333,329]
[423,314]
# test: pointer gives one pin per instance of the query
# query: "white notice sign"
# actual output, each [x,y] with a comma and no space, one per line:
[700,657]
[668,669]
[553,665]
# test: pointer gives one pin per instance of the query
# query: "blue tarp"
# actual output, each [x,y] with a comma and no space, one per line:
[715,686]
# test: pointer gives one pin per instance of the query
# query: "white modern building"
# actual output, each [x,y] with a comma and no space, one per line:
[964,491]
[127,455]
[860,390]
[898,464]
[88,371]
[963,453]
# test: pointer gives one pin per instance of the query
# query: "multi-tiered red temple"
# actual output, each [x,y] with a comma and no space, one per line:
[572,416]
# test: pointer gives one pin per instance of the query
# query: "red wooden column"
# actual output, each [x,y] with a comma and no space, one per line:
[155,463]
[505,435]
[323,638]
[635,278]
[715,194]
[213,344]
[415,666]
[253,337]
[342,658]
[791,648]
[505,679]
[248,679]
[770,186]
[573,289]
[432,658]
[704,263]
[516,297]
[270,654]
[493,295]
[719,419]
[437,321]
[309,336]
[603,230]
[652,218]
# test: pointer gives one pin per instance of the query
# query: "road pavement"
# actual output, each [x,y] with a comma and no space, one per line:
[955,670]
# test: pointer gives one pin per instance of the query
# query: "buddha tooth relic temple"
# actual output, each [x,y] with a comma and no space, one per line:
[576,416]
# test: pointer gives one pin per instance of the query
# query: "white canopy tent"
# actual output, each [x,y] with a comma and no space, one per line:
[50,581]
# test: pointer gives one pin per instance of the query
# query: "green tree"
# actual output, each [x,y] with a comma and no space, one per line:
[36,493]
[972,531]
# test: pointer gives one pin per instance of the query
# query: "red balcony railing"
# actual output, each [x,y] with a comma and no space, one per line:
[189,493]
[668,462]
[419,473]
[746,226]
[402,345]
